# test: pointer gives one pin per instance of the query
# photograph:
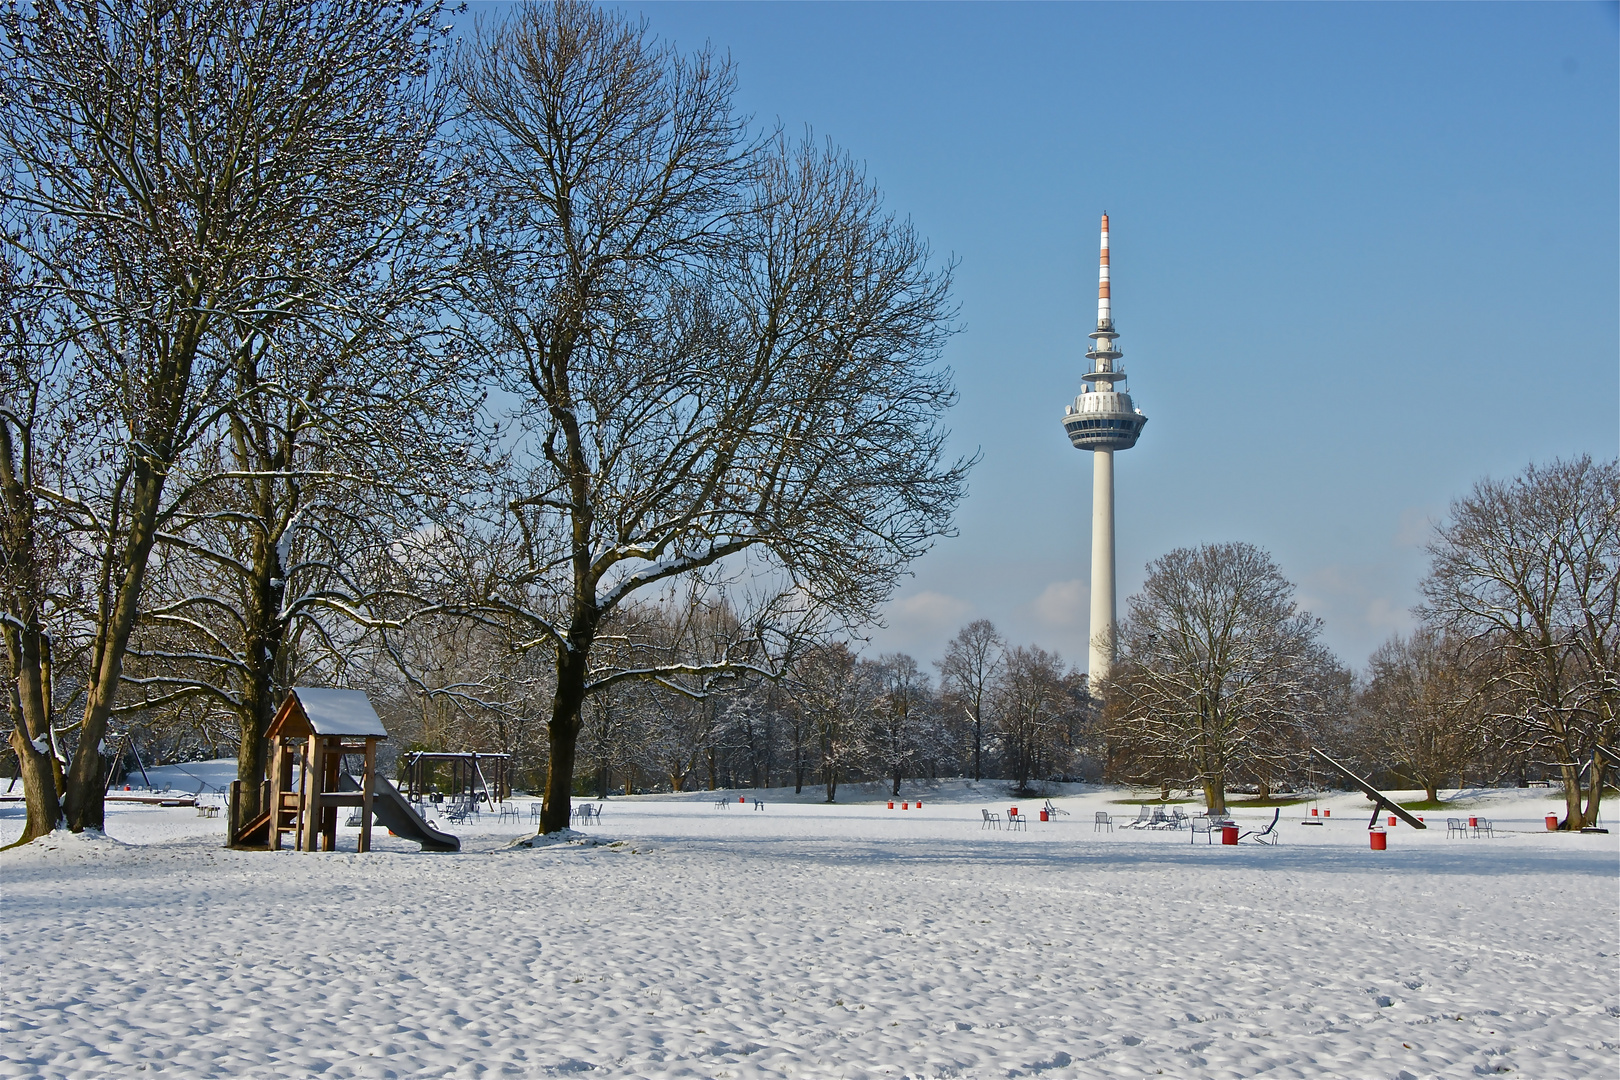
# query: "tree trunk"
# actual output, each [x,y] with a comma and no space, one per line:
[1431,793]
[563,733]
[84,807]
[897,781]
[1574,820]
[1215,794]
[1594,792]
[258,709]
[978,747]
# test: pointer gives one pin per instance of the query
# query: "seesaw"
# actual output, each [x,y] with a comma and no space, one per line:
[1381,802]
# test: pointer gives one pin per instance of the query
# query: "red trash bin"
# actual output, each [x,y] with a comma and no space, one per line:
[891,804]
[1380,839]
[905,806]
[1473,823]
[1392,820]
[919,804]
[1043,816]
[1552,822]
[1327,813]
[1229,832]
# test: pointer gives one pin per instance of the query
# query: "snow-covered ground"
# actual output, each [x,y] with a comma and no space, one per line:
[805,940]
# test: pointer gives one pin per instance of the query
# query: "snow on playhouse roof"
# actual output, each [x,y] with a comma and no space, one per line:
[311,710]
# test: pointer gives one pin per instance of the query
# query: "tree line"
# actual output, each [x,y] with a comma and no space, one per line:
[342,352]
[524,383]
[1509,675]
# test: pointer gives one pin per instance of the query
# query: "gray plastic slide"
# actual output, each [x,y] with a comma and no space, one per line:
[394,813]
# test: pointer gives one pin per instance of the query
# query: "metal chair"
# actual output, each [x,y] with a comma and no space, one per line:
[1483,828]
[1200,823]
[992,820]
[1017,821]
[1178,818]
[1456,826]
[1102,820]
[1267,835]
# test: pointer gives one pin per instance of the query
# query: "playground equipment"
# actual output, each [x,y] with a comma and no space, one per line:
[122,745]
[474,778]
[1381,802]
[310,736]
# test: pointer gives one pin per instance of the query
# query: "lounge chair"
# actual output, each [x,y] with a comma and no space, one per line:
[1159,820]
[1267,835]
[1142,816]
[1053,811]
[1178,818]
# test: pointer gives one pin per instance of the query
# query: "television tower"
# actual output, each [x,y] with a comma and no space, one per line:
[1102,420]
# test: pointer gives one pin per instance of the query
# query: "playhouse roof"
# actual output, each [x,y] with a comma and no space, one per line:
[320,711]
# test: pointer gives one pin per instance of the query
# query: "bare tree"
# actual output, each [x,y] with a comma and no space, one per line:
[38,562]
[902,716]
[1037,702]
[726,351]
[1216,659]
[833,692]
[1529,571]
[967,673]
[219,171]
[1421,702]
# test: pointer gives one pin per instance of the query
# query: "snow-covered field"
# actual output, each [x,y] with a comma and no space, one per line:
[806,940]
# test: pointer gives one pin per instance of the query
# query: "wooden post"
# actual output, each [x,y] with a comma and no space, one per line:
[365,794]
[332,755]
[278,784]
[309,790]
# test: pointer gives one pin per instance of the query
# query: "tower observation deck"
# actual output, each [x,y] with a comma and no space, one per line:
[1103,419]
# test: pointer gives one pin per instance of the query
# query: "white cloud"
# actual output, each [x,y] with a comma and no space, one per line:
[1064,603]
[929,607]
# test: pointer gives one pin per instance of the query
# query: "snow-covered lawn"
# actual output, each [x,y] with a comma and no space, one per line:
[806,940]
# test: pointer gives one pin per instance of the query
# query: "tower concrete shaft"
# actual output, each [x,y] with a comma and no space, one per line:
[1103,419]
[1102,565]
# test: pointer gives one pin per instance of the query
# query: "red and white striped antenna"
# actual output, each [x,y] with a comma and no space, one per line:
[1104,316]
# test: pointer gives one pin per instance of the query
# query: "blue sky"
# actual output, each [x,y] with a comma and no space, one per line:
[1363,255]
